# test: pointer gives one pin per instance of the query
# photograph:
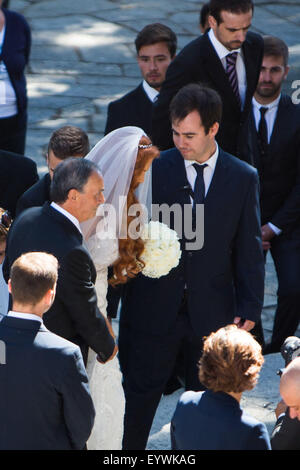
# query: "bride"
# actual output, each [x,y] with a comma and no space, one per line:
[124,157]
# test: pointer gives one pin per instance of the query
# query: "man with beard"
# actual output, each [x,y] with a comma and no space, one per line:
[226,58]
[273,143]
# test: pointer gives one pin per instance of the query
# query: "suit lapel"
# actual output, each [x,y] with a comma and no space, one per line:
[279,124]
[220,180]
[250,60]
[179,185]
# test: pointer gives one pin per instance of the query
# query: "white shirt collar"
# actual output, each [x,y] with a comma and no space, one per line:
[66,214]
[211,162]
[25,316]
[271,105]
[150,92]
[221,50]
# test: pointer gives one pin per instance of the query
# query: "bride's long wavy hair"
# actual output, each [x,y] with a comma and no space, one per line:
[130,250]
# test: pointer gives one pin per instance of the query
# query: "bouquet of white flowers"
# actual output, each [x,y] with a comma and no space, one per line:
[162,249]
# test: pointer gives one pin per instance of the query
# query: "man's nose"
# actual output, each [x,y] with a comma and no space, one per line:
[241,36]
[293,413]
[153,64]
[266,76]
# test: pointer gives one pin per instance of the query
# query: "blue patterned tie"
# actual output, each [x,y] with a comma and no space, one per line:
[199,188]
[232,75]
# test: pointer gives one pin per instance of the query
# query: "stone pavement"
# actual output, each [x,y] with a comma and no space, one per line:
[83,57]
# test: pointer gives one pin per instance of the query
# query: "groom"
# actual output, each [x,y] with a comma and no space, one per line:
[221,283]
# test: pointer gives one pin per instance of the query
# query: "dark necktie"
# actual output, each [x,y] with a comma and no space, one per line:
[232,75]
[263,132]
[199,188]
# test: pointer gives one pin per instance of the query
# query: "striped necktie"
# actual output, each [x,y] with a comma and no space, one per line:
[232,75]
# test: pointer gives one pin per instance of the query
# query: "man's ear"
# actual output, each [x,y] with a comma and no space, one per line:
[9,286]
[214,129]
[287,69]
[50,296]
[212,21]
[73,194]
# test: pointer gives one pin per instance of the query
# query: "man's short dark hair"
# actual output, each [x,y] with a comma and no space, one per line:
[71,173]
[154,33]
[32,275]
[69,141]
[194,97]
[276,47]
[233,6]
[204,12]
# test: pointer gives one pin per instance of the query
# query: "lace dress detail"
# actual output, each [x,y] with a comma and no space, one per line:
[105,379]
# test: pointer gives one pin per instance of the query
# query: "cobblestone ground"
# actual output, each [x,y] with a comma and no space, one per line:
[83,57]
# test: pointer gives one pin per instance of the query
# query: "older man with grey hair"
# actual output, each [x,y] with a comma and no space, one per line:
[76,191]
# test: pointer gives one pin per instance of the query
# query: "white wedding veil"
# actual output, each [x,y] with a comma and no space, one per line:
[115,155]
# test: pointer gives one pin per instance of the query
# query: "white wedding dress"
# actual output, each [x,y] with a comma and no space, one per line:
[105,379]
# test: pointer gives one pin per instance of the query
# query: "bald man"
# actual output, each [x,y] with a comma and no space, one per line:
[286,433]
[290,388]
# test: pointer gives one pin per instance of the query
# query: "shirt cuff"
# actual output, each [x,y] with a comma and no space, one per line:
[275,229]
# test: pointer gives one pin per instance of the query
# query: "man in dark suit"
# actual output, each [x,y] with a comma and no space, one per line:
[77,191]
[208,60]
[17,174]
[220,283]
[272,145]
[65,142]
[156,47]
[45,403]
[286,432]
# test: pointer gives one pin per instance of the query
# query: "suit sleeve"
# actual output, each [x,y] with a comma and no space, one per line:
[248,256]
[77,292]
[78,408]
[22,204]
[259,438]
[112,119]
[286,434]
[288,213]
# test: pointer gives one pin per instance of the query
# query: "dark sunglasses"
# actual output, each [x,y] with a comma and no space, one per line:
[6,219]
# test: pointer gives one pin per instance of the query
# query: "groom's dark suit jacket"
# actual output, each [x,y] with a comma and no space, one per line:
[45,403]
[74,314]
[223,279]
[198,62]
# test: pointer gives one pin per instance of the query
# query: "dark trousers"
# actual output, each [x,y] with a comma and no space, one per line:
[146,362]
[13,134]
[285,251]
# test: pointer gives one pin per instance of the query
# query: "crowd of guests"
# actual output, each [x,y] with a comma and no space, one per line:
[252,208]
